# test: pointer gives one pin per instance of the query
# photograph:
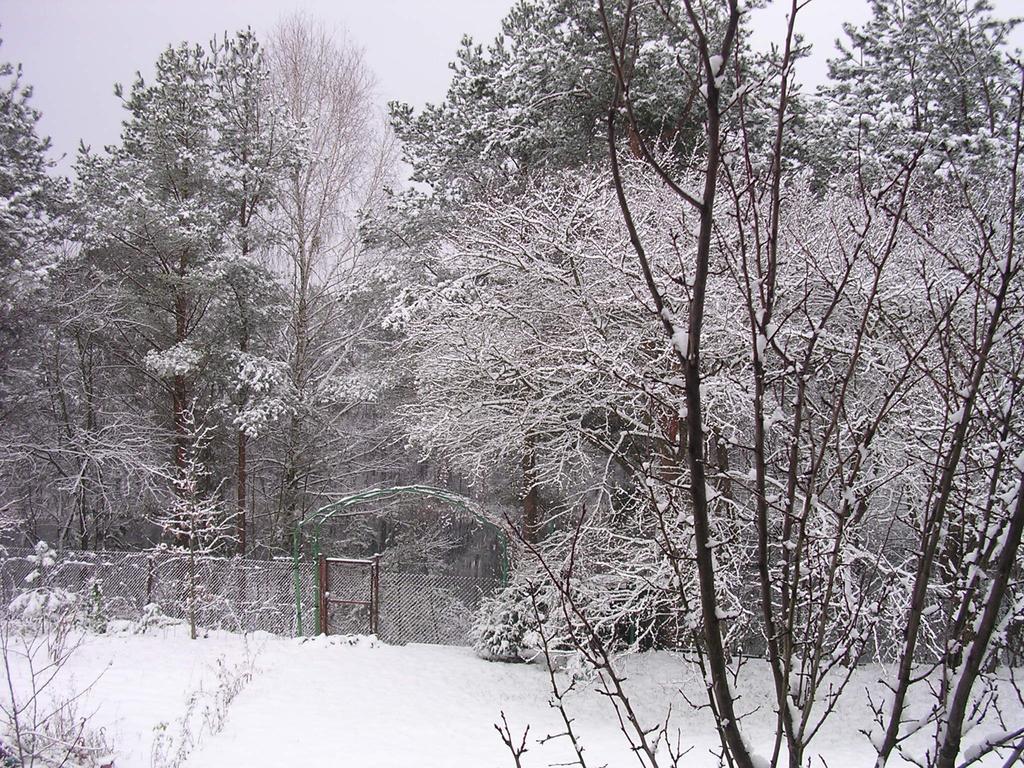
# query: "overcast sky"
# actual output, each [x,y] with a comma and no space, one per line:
[73,51]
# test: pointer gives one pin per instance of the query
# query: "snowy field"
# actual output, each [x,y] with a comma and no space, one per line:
[161,701]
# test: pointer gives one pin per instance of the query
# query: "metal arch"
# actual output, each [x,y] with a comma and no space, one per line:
[340,507]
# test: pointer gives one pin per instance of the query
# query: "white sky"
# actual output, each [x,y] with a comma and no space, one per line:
[73,51]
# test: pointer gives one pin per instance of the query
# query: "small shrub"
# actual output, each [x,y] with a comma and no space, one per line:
[153,617]
[505,627]
[94,613]
[40,634]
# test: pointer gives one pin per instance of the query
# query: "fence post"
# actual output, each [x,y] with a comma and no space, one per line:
[149,579]
[375,596]
[321,602]
[296,547]
[297,579]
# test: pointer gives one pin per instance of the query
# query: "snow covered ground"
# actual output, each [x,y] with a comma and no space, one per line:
[339,702]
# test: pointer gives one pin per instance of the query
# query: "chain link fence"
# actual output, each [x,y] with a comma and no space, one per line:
[242,595]
[429,608]
[231,593]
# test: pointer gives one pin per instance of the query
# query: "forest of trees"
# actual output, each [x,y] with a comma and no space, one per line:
[205,274]
[740,364]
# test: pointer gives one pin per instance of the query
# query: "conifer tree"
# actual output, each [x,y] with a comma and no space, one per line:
[924,81]
[177,217]
[29,201]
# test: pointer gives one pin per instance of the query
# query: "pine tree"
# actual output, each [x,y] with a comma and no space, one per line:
[178,218]
[155,219]
[259,145]
[922,81]
[29,202]
[537,98]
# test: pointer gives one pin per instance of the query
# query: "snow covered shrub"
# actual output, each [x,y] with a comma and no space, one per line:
[38,637]
[37,606]
[43,558]
[42,606]
[621,595]
[647,623]
[205,713]
[66,741]
[506,623]
[153,617]
[93,612]
[499,629]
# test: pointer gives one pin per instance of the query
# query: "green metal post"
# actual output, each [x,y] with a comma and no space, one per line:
[316,559]
[296,550]
[503,559]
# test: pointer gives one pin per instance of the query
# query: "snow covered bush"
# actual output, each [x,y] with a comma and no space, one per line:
[94,611]
[41,631]
[625,594]
[504,625]
[41,606]
[44,605]
[65,740]
[152,618]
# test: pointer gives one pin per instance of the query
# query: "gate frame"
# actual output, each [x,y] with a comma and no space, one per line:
[324,601]
[339,508]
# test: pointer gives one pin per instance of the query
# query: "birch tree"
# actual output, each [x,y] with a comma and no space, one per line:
[348,161]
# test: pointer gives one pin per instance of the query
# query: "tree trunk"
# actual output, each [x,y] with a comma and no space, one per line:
[240,519]
[180,391]
[977,649]
[531,505]
[243,346]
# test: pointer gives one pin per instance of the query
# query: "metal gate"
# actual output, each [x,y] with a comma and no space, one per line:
[358,596]
[349,599]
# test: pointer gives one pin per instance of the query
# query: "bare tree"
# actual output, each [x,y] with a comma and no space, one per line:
[713,30]
[349,159]
[846,341]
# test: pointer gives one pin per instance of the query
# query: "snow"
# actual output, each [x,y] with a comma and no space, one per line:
[762,344]
[359,702]
[36,603]
[139,682]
